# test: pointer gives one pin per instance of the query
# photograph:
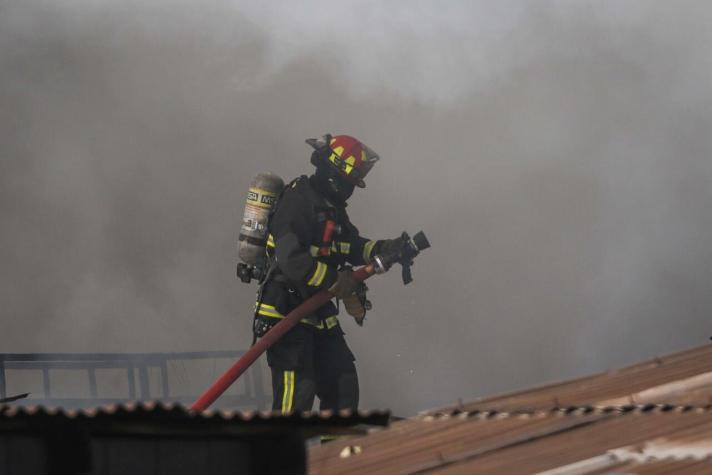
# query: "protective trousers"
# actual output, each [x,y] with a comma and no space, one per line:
[308,362]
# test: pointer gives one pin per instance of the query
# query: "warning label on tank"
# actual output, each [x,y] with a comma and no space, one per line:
[261,198]
[252,224]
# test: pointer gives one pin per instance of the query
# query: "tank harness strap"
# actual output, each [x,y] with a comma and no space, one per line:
[260,290]
[328,237]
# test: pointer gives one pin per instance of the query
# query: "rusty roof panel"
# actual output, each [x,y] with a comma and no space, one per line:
[609,385]
[471,445]
[430,442]
[553,428]
[557,450]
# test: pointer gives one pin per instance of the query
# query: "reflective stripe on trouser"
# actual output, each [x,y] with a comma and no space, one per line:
[270,311]
[288,392]
[306,364]
[291,391]
[295,390]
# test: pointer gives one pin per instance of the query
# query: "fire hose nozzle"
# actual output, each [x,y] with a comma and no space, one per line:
[379,265]
[420,241]
[403,256]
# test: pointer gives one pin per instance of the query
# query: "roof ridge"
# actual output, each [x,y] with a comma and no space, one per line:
[581,410]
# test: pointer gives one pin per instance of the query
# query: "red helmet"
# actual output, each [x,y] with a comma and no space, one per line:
[351,158]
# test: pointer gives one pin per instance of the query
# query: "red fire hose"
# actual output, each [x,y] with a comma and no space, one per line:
[270,338]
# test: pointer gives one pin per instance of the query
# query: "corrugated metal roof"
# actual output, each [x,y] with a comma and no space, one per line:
[171,417]
[625,384]
[159,408]
[568,427]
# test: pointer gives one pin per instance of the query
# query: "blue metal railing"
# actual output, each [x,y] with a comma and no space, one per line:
[250,395]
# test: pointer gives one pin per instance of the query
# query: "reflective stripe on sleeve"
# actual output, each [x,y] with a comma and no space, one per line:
[270,241]
[269,311]
[367,249]
[318,277]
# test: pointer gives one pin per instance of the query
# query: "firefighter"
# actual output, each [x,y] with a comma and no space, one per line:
[310,242]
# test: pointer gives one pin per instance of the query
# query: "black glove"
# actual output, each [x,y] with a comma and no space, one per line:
[357,304]
[345,284]
[391,246]
[354,307]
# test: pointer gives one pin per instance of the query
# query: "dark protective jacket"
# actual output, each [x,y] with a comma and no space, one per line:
[295,241]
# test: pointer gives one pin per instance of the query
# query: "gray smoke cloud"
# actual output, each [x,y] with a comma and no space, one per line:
[556,153]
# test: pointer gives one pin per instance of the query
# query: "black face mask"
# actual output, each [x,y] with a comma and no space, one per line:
[335,188]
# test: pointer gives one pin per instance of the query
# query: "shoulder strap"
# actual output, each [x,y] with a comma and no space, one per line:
[288,186]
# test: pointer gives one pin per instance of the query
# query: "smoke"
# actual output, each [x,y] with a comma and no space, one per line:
[556,154]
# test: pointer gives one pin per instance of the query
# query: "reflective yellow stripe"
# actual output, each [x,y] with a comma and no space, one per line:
[285,391]
[291,391]
[345,247]
[331,322]
[322,274]
[319,274]
[269,311]
[266,310]
[314,251]
[350,162]
[288,392]
[315,275]
[367,249]
[345,164]
[270,241]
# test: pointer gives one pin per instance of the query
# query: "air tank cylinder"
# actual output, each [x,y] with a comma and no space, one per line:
[261,199]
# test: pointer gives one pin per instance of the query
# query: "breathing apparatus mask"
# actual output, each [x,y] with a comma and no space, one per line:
[329,181]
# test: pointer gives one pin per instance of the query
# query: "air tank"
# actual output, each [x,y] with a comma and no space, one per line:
[261,199]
